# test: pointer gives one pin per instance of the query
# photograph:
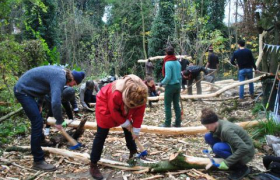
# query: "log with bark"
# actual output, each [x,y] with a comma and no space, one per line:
[81,129]
[161,57]
[176,161]
[154,129]
[179,161]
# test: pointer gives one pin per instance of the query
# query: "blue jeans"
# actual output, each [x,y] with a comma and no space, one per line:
[31,109]
[220,148]
[242,75]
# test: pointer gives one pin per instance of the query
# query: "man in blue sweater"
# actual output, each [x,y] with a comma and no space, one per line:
[245,64]
[171,71]
[36,83]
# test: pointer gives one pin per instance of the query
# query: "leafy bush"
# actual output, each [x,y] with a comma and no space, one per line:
[257,108]
[11,128]
[266,127]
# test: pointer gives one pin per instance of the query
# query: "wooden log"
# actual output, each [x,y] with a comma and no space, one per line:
[261,36]
[85,158]
[179,161]
[156,130]
[80,130]
[215,94]
[161,57]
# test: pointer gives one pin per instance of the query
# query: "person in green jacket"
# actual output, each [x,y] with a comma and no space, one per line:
[171,71]
[230,142]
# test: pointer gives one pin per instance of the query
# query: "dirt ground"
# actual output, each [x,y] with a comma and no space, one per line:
[160,147]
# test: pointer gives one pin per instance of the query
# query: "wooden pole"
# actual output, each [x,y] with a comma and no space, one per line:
[154,129]
[161,57]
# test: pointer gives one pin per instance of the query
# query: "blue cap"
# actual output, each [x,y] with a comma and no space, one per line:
[78,76]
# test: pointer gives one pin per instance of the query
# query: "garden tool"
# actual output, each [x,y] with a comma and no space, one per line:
[206,151]
[272,88]
[132,161]
[73,142]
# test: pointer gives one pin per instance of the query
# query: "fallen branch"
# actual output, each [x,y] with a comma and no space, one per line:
[9,115]
[154,129]
[153,177]
[85,158]
[161,57]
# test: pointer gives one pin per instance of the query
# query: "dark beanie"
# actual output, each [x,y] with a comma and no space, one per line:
[78,76]
[209,119]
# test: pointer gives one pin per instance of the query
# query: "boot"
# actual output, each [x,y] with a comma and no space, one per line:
[94,171]
[132,152]
[239,173]
[43,166]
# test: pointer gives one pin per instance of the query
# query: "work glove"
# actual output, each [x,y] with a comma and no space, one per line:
[64,124]
[223,166]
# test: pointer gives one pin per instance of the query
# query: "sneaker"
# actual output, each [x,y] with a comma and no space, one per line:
[43,166]
[239,174]
[47,131]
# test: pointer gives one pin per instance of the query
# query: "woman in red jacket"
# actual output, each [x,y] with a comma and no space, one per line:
[121,103]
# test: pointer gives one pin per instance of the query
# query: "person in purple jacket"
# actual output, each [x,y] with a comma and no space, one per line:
[36,83]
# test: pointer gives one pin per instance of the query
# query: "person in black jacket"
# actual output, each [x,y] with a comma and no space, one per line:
[184,64]
[67,100]
[245,64]
[193,73]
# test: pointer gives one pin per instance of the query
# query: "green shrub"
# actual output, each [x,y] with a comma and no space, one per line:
[257,108]
[266,127]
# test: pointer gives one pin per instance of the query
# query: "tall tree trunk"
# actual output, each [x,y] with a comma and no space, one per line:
[236,29]
[143,29]
[274,55]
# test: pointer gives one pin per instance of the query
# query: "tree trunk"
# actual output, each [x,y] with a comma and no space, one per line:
[154,129]
[274,56]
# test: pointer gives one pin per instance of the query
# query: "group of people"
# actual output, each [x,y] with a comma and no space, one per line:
[122,103]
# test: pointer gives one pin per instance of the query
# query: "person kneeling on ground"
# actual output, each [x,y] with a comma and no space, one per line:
[121,103]
[193,73]
[230,142]
[150,83]
[86,93]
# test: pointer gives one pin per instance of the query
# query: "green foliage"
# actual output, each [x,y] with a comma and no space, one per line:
[266,127]
[257,108]
[11,128]
[162,30]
